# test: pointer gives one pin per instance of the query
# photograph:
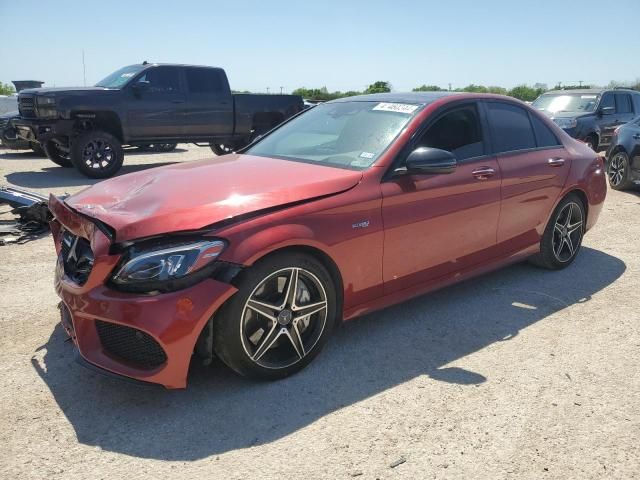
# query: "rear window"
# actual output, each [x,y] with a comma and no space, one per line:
[544,136]
[203,80]
[623,103]
[511,127]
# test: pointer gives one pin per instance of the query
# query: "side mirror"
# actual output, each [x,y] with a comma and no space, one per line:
[140,86]
[426,160]
[607,111]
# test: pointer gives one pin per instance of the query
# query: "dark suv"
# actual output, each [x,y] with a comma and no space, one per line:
[590,115]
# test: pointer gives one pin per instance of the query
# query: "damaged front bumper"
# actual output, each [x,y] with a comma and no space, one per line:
[147,337]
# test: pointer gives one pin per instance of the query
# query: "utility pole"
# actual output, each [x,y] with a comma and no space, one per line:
[267,90]
[84,70]
[281,90]
[580,83]
[449,87]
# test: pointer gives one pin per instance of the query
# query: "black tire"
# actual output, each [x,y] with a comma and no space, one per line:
[592,142]
[164,147]
[37,149]
[236,319]
[97,154]
[619,171]
[54,154]
[221,148]
[562,238]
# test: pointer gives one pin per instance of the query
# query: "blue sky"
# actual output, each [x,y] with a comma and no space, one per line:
[341,44]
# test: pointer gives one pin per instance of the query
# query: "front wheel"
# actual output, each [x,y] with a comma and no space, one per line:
[97,154]
[56,155]
[562,237]
[619,172]
[280,318]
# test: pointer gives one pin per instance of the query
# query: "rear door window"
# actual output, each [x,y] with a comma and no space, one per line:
[623,103]
[511,127]
[203,80]
[544,136]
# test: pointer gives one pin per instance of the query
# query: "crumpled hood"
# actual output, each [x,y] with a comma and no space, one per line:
[64,90]
[567,114]
[192,195]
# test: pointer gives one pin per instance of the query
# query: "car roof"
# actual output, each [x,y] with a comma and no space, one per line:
[154,64]
[418,98]
[589,91]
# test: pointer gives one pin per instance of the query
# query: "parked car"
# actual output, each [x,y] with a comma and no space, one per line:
[590,115]
[352,206]
[623,156]
[145,104]
[10,139]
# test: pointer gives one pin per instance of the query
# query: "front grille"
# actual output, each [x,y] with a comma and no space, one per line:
[26,106]
[77,257]
[130,344]
[3,124]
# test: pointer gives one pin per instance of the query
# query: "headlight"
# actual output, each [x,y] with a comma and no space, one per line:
[45,101]
[166,268]
[566,122]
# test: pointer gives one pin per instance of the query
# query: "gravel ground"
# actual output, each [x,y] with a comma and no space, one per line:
[522,373]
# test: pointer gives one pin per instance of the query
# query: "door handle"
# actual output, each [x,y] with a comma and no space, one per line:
[555,162]
[483,173]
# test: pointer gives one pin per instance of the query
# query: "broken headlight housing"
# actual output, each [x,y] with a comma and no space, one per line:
[166,267]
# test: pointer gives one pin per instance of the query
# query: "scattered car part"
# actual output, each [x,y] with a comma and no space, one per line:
[32,213]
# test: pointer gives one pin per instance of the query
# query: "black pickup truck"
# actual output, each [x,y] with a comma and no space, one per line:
[145,104]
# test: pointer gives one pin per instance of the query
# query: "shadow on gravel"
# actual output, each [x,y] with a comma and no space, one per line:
[221,411]
[68,177]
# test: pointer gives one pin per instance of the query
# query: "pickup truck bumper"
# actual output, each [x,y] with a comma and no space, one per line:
[42,130]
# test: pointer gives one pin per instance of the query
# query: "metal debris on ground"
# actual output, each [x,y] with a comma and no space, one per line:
[31,215]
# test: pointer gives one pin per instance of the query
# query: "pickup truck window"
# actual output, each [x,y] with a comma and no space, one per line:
[203,80]
[608,101]
[162,80]
[623,103]
[570,102]
[120,78]
[345,134]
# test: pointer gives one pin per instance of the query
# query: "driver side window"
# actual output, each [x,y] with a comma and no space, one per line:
[162,80]
[457,131]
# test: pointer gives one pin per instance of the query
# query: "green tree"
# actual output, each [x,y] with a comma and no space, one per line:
[525,93]
[378,87]
[6,89]
[428,88]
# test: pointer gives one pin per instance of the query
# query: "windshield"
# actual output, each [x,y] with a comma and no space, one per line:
[347,134]
[120,77]
[574,102]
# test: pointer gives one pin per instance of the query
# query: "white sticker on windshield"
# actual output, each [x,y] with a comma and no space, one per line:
[396,107]
[367,155]
[127,75]
[360,163]
[587,96]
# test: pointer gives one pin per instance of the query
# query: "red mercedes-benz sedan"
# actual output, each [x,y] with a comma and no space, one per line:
[352,206]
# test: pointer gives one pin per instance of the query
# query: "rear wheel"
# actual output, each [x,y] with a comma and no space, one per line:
[619,172]
[222,148]
[562,237]
[56,155]
[280,318]
[97,154]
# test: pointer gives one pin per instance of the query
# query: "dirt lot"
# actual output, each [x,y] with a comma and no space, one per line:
[522,373]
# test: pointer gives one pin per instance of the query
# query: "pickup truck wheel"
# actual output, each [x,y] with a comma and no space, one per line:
[221,148]
[97,154]
[37,149]
[57,156]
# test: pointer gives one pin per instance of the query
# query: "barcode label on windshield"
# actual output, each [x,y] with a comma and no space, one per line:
[396,107]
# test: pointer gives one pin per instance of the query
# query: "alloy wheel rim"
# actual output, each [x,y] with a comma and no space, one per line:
[283,318]
[567,232]
[98,154]
[616,170]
